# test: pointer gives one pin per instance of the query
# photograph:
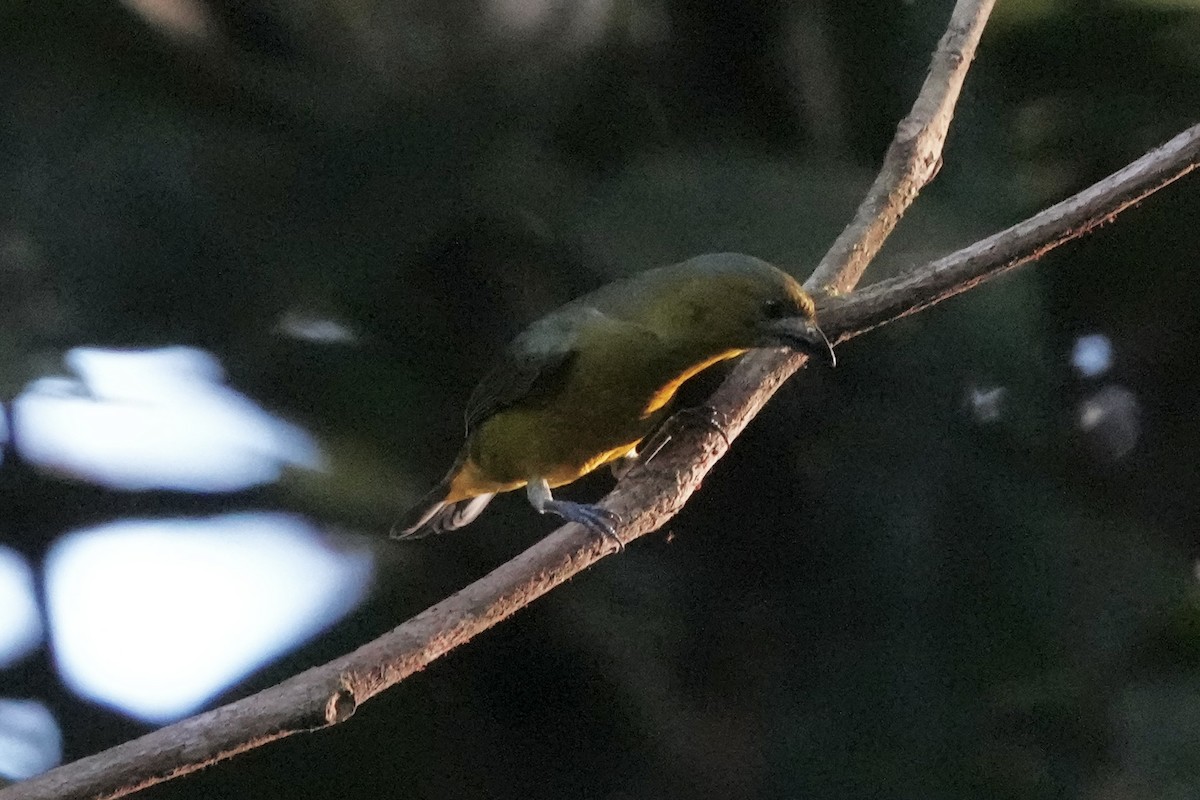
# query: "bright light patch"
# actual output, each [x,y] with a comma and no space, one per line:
[20,622]
[30,741]
[584,22]
[986,403]
[522,16]
[1111,420]
[313,328]
[1092,355]
[155,617]
[183,19]
[155,419]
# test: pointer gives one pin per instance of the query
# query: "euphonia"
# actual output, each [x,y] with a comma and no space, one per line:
[584,385]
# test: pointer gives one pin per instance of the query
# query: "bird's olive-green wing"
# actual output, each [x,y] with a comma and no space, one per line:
[515,378]
[538,362]
[533,366]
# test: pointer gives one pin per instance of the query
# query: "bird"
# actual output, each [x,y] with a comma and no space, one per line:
[586,384]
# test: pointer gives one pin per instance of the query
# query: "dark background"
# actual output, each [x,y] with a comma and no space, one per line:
[884,590]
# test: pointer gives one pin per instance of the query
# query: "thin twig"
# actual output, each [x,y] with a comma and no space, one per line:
[329,694]
[1096,205]
[912,160]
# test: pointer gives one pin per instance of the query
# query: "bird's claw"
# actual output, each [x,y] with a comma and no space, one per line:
[594,518]
[703,416]
[621,467]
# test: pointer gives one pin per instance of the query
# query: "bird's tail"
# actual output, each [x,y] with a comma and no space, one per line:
[432,514]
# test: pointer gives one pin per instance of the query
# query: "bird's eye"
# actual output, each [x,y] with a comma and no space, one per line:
[774,309]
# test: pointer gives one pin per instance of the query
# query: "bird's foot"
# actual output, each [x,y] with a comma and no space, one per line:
[620,468]
[698,416]
[594,518]
[704,417]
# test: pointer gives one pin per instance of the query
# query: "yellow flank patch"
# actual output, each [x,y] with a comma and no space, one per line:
[471,482]
[594,462]
[666,392]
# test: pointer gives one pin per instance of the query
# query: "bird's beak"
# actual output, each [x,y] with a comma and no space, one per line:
[802,335]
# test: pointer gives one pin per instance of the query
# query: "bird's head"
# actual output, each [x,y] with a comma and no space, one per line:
[745,302]
[787,317]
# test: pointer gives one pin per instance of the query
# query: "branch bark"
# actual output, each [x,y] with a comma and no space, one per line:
[652,493]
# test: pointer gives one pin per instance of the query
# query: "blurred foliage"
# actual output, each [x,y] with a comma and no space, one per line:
[881,592]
